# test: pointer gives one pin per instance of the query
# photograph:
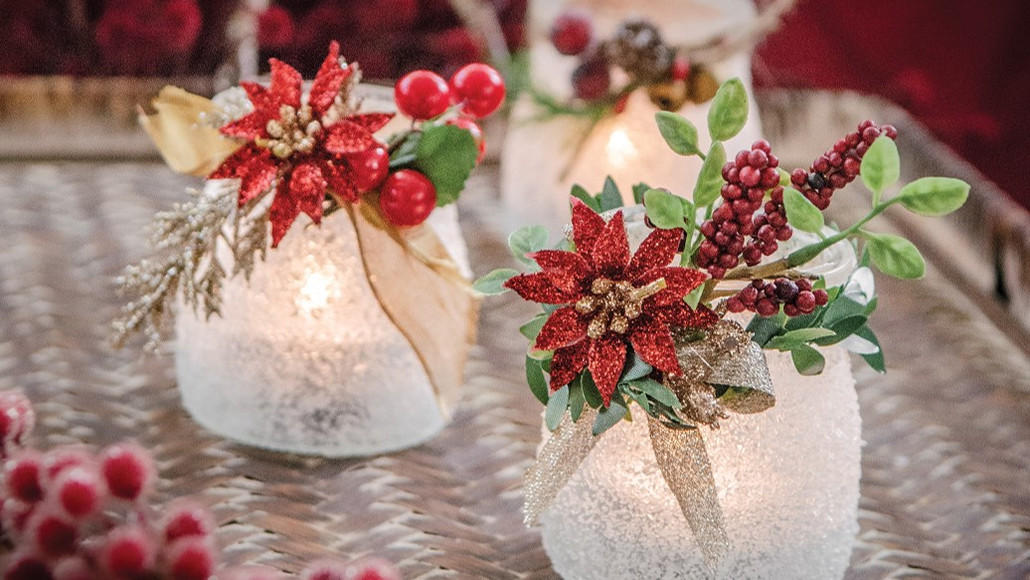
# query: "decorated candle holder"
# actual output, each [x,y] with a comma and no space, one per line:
[343,338]
[597,77]
[739,461]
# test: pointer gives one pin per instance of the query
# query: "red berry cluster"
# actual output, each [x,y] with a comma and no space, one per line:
[747,177]
[840,165]
[71,515]
[407,196]
[765,298]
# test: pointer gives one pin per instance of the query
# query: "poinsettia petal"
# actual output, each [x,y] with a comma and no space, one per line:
[562,328]
[249,127]
[286,84]
[307,186]
[254,168]
[233,166]
[611,250]
[346,137]
[680,314]
[567,270]
[259,97]
[258,176]
[607,357]
[656,251]
[283,212]
[372,122]
[537,287]
[338,176]
[586,226]
[678,283]
[328,81]
[653,342]
[567,363]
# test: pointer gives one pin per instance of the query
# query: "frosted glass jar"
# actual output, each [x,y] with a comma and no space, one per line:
[542,159]
[787,482]
[304,359]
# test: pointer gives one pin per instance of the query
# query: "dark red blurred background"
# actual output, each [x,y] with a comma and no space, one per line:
[961,66]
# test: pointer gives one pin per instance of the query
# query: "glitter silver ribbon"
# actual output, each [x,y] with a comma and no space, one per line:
[723,357]
[557,461]
[727,358]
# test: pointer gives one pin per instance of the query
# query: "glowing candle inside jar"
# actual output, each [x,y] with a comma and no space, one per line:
[304,358]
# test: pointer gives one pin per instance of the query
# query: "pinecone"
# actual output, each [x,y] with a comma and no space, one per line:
[638,49]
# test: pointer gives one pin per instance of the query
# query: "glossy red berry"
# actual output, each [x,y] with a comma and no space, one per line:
[128,552]
[572,32]
[407,198]
[480,89]
[422,95]
[52,534]
[186,519]
[27,567]
[79,491]
[591,79]
[369,168]
[476,132]
[191,558]
[128,470]
[24,477]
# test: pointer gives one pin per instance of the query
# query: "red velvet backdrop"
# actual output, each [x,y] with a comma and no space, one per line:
[961,66]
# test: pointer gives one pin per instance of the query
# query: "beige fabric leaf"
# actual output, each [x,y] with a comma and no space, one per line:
[420,289]
[187,145]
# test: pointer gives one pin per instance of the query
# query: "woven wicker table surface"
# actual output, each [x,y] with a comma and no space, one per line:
[946,468]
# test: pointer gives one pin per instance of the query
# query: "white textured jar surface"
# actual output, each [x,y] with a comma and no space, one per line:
[542,159]
[304,359]
[787,479]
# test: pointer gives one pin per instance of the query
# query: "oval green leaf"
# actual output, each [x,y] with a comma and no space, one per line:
[678,132]
[556,406]
[493,283]
[664,209]
[881,165]
[896,256]
[536,380]
[729,110]
[526,240]
[807,360]
[446,155]
[608,417]
[801,213]
[934,196]
[709,180]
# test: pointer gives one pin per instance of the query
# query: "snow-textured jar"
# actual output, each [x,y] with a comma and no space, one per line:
[304,359]
[543,158]
[787,481]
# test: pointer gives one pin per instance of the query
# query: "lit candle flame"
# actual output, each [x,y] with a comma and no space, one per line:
[620,149]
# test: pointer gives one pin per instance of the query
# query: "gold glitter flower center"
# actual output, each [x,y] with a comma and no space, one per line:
[612,305]
[294,131]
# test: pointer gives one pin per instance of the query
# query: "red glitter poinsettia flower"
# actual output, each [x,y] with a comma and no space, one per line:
[298,147]
[611,300]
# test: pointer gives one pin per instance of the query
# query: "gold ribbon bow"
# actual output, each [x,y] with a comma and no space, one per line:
[414,278]
[725,358]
